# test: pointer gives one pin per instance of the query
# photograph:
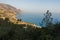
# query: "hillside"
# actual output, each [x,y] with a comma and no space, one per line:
[8,11]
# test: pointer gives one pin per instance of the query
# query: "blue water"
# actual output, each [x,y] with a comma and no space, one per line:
[36,18]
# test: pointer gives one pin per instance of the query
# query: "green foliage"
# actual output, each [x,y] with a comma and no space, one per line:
[10,31]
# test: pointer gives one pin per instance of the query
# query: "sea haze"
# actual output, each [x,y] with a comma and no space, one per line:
[36,18]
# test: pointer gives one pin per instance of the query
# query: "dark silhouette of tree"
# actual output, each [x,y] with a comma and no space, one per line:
[47,20]
[19,20]
[6,19]
[1,21]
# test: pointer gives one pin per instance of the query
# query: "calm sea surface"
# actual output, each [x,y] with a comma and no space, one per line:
[36,18]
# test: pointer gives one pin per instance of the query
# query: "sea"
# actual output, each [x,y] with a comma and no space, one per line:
[36,18]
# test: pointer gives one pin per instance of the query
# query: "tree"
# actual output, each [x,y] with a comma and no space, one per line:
[19,20]
[47,20]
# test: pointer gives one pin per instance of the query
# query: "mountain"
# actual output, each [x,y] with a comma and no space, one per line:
[8,8]
[8,11]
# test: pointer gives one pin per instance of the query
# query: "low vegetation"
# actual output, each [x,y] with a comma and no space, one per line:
[11,31]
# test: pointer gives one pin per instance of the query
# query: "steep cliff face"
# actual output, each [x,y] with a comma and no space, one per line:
[8,11]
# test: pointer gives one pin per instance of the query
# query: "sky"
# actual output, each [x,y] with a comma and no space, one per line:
[34,5]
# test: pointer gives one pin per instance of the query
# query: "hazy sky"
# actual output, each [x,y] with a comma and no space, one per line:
[34,5]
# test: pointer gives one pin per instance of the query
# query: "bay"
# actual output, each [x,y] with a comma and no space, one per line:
[36,18]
